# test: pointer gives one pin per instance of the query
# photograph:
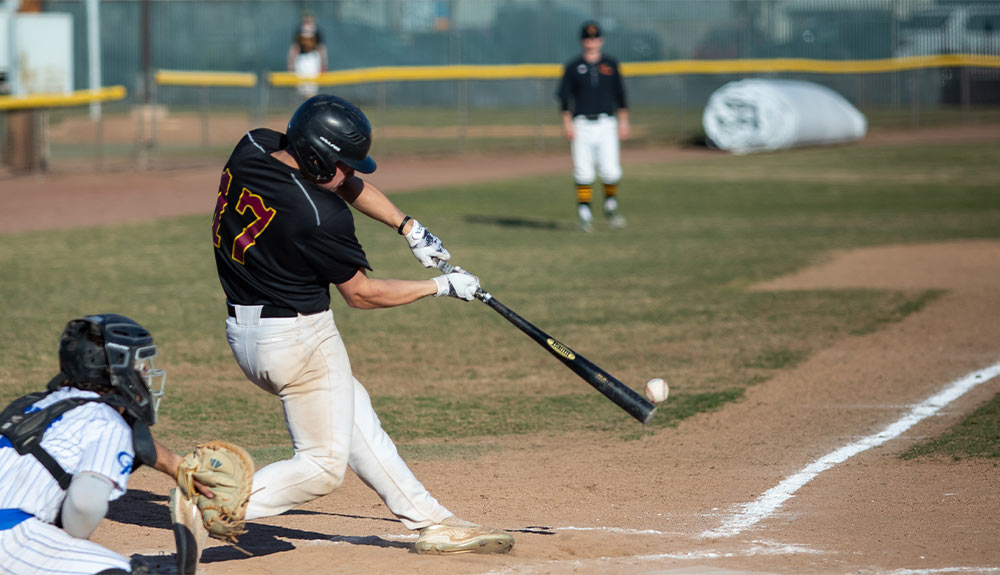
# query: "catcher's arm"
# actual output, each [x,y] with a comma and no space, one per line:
[169,462]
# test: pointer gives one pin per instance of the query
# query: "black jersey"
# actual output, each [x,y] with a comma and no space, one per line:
[590,89]
[280,240]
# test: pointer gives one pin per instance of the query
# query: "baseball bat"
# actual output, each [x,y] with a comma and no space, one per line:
[622,395]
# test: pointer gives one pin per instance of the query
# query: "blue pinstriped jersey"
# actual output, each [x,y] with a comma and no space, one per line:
[92,437]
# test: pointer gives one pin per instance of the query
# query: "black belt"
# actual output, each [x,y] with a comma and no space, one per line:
[268,311]
[591,117]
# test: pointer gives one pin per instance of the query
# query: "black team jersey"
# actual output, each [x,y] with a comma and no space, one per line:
[591,89]
[280,240]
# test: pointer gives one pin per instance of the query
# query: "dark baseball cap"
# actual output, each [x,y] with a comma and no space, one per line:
[590,29]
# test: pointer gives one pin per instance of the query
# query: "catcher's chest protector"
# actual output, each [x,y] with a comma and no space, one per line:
[24,431]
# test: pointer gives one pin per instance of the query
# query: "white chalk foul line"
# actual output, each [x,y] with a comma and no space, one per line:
[755,511]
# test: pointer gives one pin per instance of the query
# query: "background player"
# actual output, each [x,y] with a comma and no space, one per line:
[49,509]
[283,232]
[594,114]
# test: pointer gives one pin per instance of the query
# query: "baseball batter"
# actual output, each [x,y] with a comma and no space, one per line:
[93,424]
[594,114]
[284,232]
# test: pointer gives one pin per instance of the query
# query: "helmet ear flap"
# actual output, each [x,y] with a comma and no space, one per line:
[313,166]
[81,354]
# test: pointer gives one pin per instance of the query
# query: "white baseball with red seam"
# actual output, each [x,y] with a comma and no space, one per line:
[657,390]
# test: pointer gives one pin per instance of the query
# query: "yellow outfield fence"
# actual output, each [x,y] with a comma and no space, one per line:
[77,98]
[419,73]
[661,68]
[203,78]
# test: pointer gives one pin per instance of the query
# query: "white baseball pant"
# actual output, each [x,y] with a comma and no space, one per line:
[33,547]
[329,416]
[595,142]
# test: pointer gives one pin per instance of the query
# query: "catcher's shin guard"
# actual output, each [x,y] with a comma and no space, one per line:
[189,532]
[136,567]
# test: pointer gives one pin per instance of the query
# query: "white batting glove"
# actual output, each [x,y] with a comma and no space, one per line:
[426,247]
[458,284]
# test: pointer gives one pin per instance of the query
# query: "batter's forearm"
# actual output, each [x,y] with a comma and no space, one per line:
[383,293]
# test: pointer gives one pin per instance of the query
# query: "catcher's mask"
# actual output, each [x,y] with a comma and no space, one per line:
[325,130]
[111,351]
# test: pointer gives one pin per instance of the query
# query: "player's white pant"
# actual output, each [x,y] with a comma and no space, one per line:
[329,416]
[35,547]
[595,142]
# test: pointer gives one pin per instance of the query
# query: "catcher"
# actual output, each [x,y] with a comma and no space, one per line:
[66,452]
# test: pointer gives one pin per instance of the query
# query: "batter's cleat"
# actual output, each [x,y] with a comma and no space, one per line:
[190,534]
[453,536]
[585,225]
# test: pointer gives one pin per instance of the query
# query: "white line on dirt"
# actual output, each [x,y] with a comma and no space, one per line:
[749,514]
[625,564]
[755,549]
[944,571]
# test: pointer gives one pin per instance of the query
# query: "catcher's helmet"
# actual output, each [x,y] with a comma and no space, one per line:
[325,130]
[112,353]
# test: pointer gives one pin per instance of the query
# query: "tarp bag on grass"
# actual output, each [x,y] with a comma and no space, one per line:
[760,115]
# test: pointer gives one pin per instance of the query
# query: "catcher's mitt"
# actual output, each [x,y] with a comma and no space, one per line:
[227,470]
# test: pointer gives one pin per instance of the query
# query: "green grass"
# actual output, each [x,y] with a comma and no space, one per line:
[978,435]
[665,297]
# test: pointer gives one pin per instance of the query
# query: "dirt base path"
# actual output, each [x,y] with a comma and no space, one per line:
[589,504]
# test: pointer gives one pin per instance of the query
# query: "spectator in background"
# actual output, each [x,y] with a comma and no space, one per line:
[307,54]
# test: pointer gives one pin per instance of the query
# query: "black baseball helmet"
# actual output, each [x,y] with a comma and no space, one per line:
[325,130]
[110,353]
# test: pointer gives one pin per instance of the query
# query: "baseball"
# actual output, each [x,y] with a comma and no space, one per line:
[657,390]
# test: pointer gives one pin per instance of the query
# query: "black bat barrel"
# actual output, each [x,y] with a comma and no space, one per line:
[625,397]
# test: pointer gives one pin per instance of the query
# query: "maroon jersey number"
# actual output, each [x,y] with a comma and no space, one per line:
[247,201]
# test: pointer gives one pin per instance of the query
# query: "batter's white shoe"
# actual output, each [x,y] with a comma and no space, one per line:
[190,534]
[455,535]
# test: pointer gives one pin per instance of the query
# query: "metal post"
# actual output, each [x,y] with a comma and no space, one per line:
[94,53]
[147,75]
[99,142]
[13,75]
[43,139]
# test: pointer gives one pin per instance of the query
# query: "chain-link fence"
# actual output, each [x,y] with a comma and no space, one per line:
[165,123]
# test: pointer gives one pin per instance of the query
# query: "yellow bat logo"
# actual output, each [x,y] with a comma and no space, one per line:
[561,349]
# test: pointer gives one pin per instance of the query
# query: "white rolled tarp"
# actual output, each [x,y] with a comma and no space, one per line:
[759,115]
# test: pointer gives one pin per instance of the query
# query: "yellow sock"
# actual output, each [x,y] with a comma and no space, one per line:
[583,194]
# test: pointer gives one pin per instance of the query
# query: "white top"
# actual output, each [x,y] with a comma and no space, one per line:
[93,437]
